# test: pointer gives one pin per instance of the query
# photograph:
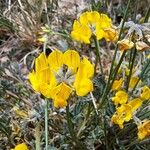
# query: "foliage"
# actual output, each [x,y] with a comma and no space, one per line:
[115,114]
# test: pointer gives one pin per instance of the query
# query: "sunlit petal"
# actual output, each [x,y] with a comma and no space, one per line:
[55,60]
[60,95]
[71,58]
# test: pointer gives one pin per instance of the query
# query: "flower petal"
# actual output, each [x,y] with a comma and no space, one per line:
[89,17]
[60,94]
[71,58]
[135,103]
[86,69]
[83,86]
[125,44]
[41,62]
[81,33]
[21,147]
[55,60]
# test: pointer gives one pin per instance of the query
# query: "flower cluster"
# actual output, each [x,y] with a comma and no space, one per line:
[93,23]
[127,106]
[59,74]
[126,109]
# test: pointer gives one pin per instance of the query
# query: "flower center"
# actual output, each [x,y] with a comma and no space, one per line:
[64,74]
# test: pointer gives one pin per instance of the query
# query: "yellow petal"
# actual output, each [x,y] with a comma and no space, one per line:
[71,58]
[111,34]
[34,82]
[47,82]
[21,147]
[60,95]
[82,83]
[86,69]
[55,60]
[145,93]
[144,130]
[41,62]
[99,33]
[103,24]
[117,84]
[133,81]
[83,86]
[125,44]
[81,33]
[135,103]
[89,17]
[121,97]
[43,81]
[141,46]
[104,21]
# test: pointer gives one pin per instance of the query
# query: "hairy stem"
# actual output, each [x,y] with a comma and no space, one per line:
[46,125]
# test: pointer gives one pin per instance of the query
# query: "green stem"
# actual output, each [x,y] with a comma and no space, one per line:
[147,15]
[140,77]
[85,121]
[70,125]
[108,86]
[46,124]
[98,57]
[37,136]
[114,56]
[105,130]
[119,37]
[131,68]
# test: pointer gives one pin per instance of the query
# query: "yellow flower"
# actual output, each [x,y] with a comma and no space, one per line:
[144,130]
[94,23]
[81,32]
[122,114]
[145,93]
[110,34]
[133,82]
[121,97]
[135,103]
[117,84]
[21,147]
[125,44]
[141,46]
[57,75]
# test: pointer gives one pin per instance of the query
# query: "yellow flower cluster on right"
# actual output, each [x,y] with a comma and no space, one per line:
[125,109]
[93,23]
[126,106]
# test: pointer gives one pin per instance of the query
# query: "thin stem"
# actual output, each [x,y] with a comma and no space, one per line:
[147,15]
[70,125]
[37,136]
[105,130]
[98,57]
[114,56]
[140,77]
[119,37]
[85,121]
[46,125]
[131,68]
[108,86]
